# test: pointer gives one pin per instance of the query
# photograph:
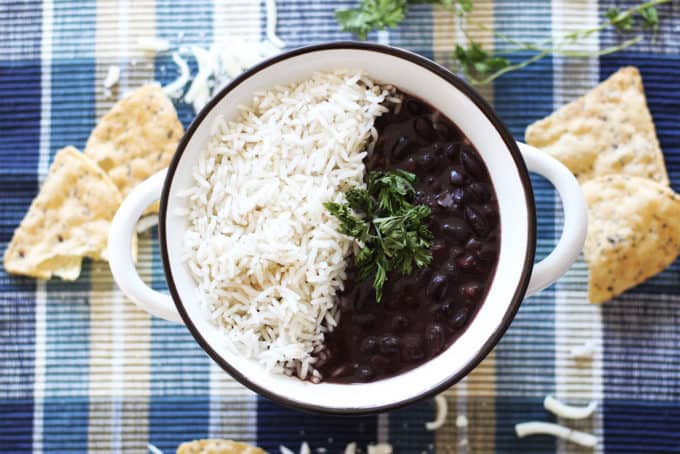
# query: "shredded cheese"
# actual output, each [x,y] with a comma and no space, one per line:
[546,428]
[271,25]
[563,410]
[153,449]
[175,88]
[154,45]
[461,421]
[585,351]
[440,416]
[112,76]
[304,448]
[380,448]
[351,448]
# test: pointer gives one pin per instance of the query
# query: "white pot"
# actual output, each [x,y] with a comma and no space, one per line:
[516,275]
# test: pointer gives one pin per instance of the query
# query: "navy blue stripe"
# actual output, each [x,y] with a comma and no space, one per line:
[20,90]
[407,427]
[633,426]
[16,425]
[514,410]
[277,425]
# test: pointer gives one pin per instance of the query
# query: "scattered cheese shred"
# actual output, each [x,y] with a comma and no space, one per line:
[271,25]
[112,76]
[304,448]
[175,88]
[440,416]
[351,448]
[285,450]
[153,449]
[461,421]
[380,448]
[154,45]
[568,411]
[584,351]
[546,428]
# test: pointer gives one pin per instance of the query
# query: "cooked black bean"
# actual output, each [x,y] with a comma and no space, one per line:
[435,339]
[470,290]
[457,229]
[389,344]
[426,161]
[456,178]
[421,314]
[479,192]
[459,318]
[400,149]
[438,287]
[477,221]
[412,347]
[450,269]
[424,129]
[364,373]
[415,107]
[369,345]
[399,323]
[470,161]
[467,262]
[451,150]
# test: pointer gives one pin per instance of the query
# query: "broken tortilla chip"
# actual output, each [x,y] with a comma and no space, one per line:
[68,220]
[215,446]
[633,232]
[136,138]
[607,131]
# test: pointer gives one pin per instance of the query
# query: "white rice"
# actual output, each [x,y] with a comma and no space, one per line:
[263,250]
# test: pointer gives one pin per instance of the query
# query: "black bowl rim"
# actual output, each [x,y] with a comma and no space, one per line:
[486,109]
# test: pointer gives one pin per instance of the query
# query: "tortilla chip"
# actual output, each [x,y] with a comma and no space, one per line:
[633,232]
[607,131]
[68,220]
[136,138]
[215,446]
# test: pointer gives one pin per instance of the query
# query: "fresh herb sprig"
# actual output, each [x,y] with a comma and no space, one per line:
[481,66]
[393,231]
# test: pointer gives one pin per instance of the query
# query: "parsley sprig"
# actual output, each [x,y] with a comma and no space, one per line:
[393,231]
[481,66]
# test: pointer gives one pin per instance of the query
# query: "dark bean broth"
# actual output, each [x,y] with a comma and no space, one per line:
[422,314]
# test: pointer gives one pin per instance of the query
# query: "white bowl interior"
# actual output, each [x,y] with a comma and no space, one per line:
[426,85]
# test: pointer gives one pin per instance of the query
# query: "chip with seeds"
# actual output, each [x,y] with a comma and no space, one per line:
[607,131]
[633,232]
[136,138]
[68,220]
[215,446]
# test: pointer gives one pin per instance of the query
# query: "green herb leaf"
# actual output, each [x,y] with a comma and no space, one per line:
[393,231]
[477,63]
[371,15]
[622,21]
[650,18]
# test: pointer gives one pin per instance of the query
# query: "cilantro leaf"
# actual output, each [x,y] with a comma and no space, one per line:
[393,231]
[371,15]
[650,18]
[620,20]
[476,62]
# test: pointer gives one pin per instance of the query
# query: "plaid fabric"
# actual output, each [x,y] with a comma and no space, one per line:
[82,369]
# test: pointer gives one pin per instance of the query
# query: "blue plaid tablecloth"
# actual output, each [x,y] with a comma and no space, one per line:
[82,369]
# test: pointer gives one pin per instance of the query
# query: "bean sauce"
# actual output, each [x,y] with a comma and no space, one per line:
[422,314]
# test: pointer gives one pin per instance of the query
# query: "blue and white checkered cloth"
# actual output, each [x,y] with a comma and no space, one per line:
[82,369]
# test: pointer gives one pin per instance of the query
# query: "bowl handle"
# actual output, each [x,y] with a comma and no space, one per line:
[120,253]
[573,236]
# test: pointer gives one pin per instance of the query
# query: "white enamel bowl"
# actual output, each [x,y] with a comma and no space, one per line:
[507,161]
